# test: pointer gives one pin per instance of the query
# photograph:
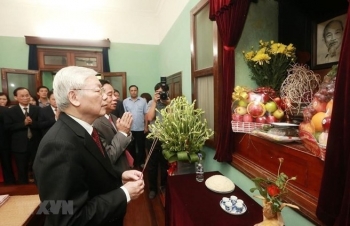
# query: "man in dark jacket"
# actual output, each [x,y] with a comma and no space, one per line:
[71,163]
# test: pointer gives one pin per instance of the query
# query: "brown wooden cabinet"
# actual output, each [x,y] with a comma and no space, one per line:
[257,157]
[55,59]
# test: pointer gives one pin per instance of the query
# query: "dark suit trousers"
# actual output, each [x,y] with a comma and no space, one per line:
[6,166]
[24,161]
[21,159]
[137,147]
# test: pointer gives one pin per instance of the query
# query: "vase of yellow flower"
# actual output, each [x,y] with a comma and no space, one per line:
[272,193]
[269,63]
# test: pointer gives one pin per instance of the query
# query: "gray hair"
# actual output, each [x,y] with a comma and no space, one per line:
[69,78]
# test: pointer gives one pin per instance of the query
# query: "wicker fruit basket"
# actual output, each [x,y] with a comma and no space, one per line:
[245,127]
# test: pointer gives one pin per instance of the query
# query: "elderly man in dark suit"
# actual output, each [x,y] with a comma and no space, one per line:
[71,163]
[22,121]
[115,133]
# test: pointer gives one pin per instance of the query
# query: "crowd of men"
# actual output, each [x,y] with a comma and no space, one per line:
[81,143]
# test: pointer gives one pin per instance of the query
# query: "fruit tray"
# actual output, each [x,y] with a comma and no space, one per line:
[245,127]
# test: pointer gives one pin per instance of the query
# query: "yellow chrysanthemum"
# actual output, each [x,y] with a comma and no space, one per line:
[290,48]
[271,57]
[260,58]
[249,55]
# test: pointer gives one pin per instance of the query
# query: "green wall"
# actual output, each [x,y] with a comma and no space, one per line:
[140,62]
[13,53]
[261,24]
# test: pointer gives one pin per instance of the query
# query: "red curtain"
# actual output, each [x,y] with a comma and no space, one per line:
[334,199]
[230,16]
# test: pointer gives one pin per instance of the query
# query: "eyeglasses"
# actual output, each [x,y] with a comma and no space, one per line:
[101,90]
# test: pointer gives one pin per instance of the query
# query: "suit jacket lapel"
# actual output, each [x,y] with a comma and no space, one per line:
[19,111]
[108,123]
[89,143]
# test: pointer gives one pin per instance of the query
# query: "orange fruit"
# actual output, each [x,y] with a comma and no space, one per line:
[316,121]
[306,126]
[329,108]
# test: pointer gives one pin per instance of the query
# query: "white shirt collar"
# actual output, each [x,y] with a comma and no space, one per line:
[22,107]
[84,124]
[107,116]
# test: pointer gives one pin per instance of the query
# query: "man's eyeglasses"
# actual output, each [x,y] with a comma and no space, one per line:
[100,90]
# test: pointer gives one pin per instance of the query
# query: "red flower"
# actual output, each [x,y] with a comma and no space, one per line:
[273,190]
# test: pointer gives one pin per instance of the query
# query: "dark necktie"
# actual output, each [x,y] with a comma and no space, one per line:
[29,132]
[96,138]
[111,121]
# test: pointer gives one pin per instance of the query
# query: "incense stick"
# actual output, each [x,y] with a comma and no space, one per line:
[150,153]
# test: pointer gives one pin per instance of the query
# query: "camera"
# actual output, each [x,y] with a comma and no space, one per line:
[163,95]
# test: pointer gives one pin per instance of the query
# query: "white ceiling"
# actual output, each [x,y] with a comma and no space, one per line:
[122,21]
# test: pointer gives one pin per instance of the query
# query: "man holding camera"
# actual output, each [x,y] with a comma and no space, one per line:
[160,101]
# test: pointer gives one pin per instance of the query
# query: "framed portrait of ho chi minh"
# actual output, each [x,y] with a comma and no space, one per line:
[327,38]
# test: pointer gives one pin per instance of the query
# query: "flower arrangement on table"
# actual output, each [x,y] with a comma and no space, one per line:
[272,192]
[269,64]
[182,130]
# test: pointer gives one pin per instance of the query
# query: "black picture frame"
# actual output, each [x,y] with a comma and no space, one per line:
[321,58]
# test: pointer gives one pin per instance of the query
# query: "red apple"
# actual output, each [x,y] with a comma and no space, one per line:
[278,101]
[279,113]
[256,109]
[270,119]
[264,97]
[286,103]
[237,117]
[307,114]
[318,105]
[326,123]
[247,118]
[261,119]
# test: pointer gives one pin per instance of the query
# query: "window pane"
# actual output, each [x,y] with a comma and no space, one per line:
[205,100]
[20,80]
[55,60]
[204,39]
[117,83]
[85,61]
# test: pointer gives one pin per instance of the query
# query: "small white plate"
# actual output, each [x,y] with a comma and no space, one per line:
[233,211]
[227,185]
[283,124]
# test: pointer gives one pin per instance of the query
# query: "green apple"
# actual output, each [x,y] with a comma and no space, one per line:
[271,106]
[242,103]
[279,113]
[317,135]
[241,110]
